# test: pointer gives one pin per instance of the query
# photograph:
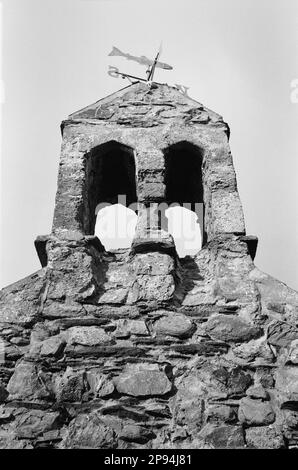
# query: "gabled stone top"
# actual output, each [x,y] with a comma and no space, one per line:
[140,106]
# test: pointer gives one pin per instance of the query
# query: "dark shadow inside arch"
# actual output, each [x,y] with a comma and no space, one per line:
[183,179]
[110,179]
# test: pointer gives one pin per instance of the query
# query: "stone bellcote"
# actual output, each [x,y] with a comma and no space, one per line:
[152,145]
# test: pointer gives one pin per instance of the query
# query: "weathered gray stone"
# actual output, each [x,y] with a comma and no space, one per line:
[131,432]
[153,264]
[221,413]
[87,431]
[113,296]
[257,391]
[223,436]
[231,329]
[293,352]
[255,412]
[35,422]
[143,383]
[204,348]
[87,336]
[28,383]
[287,382]
[174,325]
[99,384]
[6,415]
[281,334]
[19,303]
[53,346]
[189,412]
[3,393]
[256,350]
[264,437]
[126,328]
[55,310]
[231,381]
[159,288]
[70,386]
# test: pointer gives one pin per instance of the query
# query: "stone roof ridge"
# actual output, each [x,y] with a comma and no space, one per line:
[161,100]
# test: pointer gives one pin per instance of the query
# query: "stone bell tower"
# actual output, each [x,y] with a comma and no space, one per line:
[137,347]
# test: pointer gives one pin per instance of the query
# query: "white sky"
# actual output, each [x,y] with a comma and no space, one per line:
[238,57]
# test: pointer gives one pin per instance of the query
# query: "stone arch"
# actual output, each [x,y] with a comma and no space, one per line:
[184,179]
[110,179]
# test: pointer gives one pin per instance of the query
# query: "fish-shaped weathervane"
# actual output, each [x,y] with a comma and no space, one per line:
[142,60]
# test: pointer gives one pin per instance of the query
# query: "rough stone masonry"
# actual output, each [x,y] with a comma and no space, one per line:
[137,348]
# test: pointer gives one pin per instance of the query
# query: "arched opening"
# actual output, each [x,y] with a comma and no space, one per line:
[115,226]
[184,188]
[110,179]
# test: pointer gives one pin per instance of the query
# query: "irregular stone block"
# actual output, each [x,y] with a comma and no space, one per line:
[55,310]
[204,348]
[99,384]
[264,437]
[227,212]
[70,386]
[153,264]
[87,431]
[189,412]
[287,382]
[133,433]
[113,296]
[19,302]
[3,393]
[87,336]
[255,350]
[231,329]
[35,422]
[27,383]
[53,346]
[221,413]
[126,328]
[222,437]
[281,334]
[174,325]
[6,415]
[158,288]
[255,412]
[143,383]
[257,391]
[293,352]
[121,349]
[232,381]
